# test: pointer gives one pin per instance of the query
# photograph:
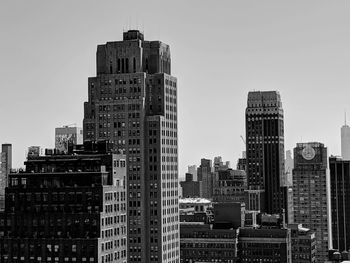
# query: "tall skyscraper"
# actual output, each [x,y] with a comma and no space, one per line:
[311,193]
[205,174]
[5,168]
[345,141]
[267,189]
[133,103]
[340,196]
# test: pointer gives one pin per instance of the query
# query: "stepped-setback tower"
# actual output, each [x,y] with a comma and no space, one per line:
[132,102]
[267,190]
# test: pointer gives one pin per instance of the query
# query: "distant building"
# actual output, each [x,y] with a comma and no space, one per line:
[191,188]
[5,168]
[206,176]
[230,186]
[220,165]
[289,166]
[340,196]
[311,193]
[267,187]
[303,244]
[192,169]
[67,135]
[66,208]
[242,162]
[229,215]
[345,142]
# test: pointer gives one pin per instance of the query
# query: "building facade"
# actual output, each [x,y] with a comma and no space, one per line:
[205,173]
[66,208]
[267,190]
[5,168]
[67,135]
[264,245]
[230,186]
[311,193]
[202,243]
[303,244]
[191,188]
[132,102]
[340,209]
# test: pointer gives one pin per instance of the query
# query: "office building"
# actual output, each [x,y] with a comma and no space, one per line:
[202,243]
[242,162]
[66,136]
[230,186]
[132,102]
[303,244]
[191,188]
[205,173]
[220,165]
[264,245]
[267,190]
[192,169]
[66,208]
[340,196]
[345,142]
[311,193]
[289,165]
[5,168]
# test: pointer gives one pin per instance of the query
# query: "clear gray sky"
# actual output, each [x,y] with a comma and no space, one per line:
[220,51]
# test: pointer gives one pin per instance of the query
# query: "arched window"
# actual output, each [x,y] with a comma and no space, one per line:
[123,68]
[134,64]
[118,65]
[127,65]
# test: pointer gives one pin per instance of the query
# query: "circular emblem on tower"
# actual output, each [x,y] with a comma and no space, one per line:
[308,153]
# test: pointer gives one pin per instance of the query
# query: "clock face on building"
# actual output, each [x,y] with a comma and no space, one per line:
[308,153]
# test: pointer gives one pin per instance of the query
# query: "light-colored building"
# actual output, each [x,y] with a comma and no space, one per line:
[5,168]
[345,142]
[66,135]
[311,193]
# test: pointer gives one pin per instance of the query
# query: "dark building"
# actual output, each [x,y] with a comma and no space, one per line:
[191,188]
[66,208]
[303,244]
[264,245]
[230,186]
[205,173]
[267,191]
[202,243]
[5,168]
[340,205]
[229,215]
[310,193]
[242,162]
[132,102]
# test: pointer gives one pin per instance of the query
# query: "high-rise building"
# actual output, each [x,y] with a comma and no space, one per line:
[66,208]
[340,196]
[220,165]
[191,188]
[345,141]
[267,191]
[67,135]
[5,168]
[289,165]
[132,102]
[192,169]
[242,162]
[311,193]
[206,176]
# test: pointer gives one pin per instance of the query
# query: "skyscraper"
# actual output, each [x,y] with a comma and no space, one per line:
[267,189]
[5,168]
[345,141]
[340,196]
[311,193]
[133,103]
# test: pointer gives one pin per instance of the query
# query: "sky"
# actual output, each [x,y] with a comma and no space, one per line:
[220,51]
